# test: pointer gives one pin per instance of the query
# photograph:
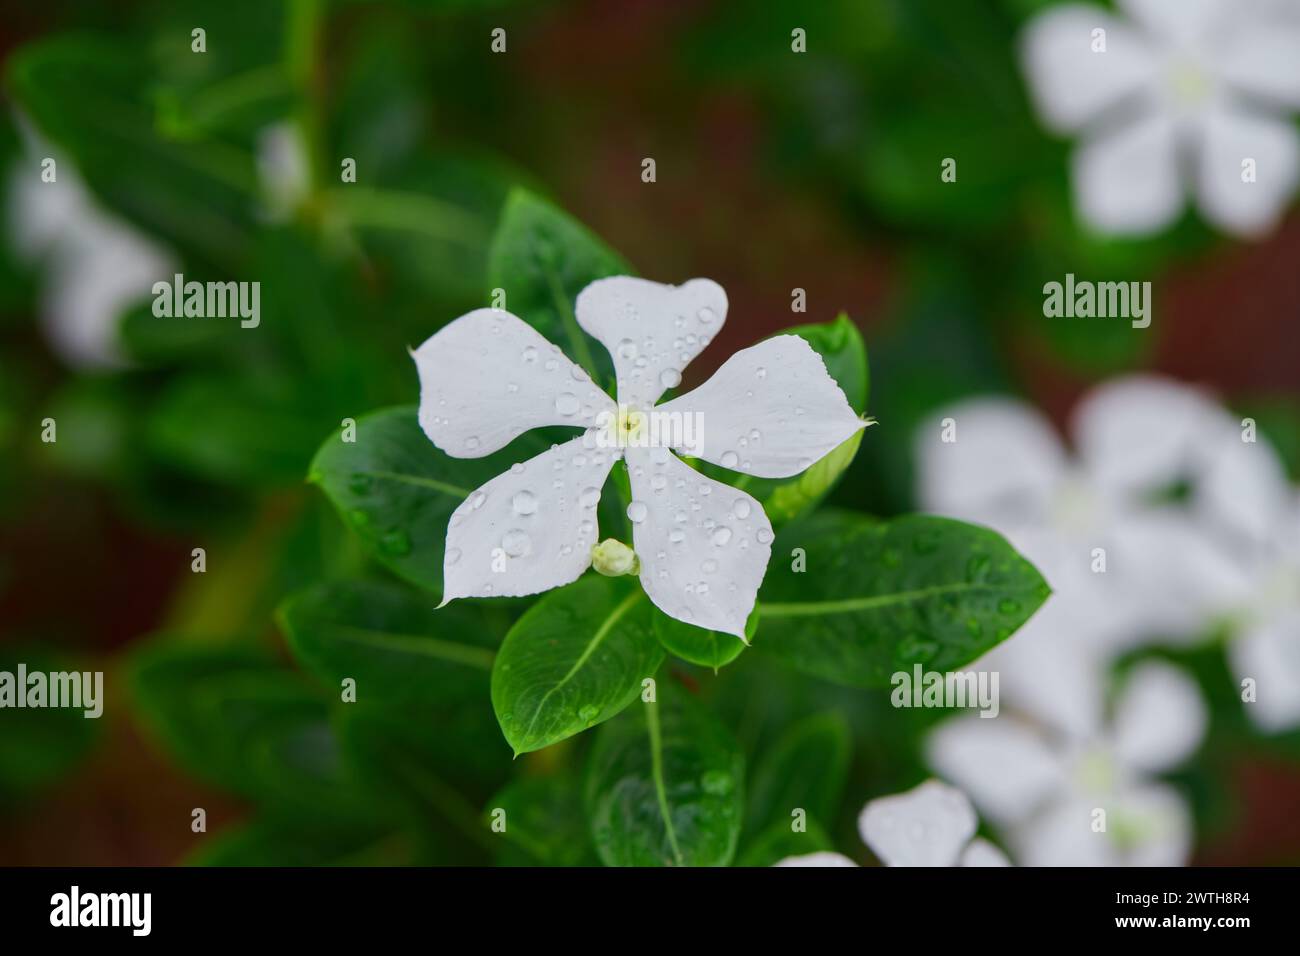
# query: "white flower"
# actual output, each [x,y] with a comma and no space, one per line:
[929,825]
[1123,565]
[1084,801]
[1247,498]
[97,265]
[1185,96]
[771,411]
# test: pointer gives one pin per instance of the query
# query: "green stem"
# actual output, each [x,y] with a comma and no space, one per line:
[657,773]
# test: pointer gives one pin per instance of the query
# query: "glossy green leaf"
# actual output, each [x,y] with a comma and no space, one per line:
[544,821]
[665,786]
[805,769]
[574,659]
[397,491]
[543,258]
[391,640]
[879,597]
[698,645]
[246,724]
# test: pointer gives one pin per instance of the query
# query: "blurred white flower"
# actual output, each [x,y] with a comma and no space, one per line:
[929,825]
[1084,800]
[1185,95]
[1246,497]
[771,411]
[1123,563]
[96,265]
[283,170]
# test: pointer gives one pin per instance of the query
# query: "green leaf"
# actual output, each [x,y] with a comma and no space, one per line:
[697,645]
[397,491]
[544,821]
[38,746]
[804,769]
[880,597]
[90,96]
[665,786]
[543,258]
[840,345]
[273,842]
[241,722]
[391,641]
[576,658]
[780,841]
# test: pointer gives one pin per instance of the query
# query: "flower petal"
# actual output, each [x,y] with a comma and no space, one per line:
[1245,488]
[1269,653]
[703,545]
[1072,84]
[1003,765]
[929,825]
[823,858]
[1141,434]
[1259,57]
[1159,718]
[1229,136]
[771,410]
[982,853]
[529,529]
[967,477]
[1186,23]
[1062,835]
[652,330]
[488,377]
[1126,181]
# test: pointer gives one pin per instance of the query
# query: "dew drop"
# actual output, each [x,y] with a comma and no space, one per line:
[452,557]
[476,500]
[721,535]
[627,349]
[761,372]
[530,355]
[706,315]
[472,442]
[589,498]
[516,543]
[670,378]
[567,404]
[764,536]
[637,511]
[741,508]
[730,459]
[524,503]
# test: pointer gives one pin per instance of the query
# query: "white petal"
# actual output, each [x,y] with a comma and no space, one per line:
[488,377]
[1159,718]
[652,330]
[926,826]
[771,410]
[1053,667]
[1269,654]
[1071,84]
[99,271]
[824,858]
[1063,835]
[982,853]
[1191,24]
[1141,434]
[1004,766]
[1174,577]
[529,529]
[969,477]
[703,545]
[1155,823]
[1126,181]
[1259,57]
[1245,488]
[1229,136]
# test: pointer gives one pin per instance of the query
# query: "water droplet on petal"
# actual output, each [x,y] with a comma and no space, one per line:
[627,349]
[637,511]
[524,503]
[730,459]
[567,404]
[721,535]
[741,508]
[761,372]
[706,315]
[471,442]
[452,557]
[589,498]
[670,378]
[516,543]
[764,536]
[476,499]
